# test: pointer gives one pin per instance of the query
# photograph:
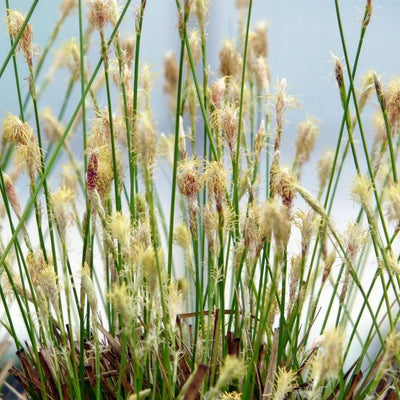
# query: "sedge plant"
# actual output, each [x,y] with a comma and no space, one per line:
[225,279]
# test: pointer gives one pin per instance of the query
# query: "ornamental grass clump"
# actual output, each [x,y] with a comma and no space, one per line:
[201,263]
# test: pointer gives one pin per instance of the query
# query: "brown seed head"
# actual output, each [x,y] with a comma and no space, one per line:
[170,74]
[91,174]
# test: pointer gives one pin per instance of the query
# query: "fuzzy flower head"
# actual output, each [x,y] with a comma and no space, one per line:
[307,133]
[182,237]
[215,177]
[217,92]
[118,225]
[101,13]
[285,383]
[392,197]
[61,203]
[393,104]
[190,180]
[274,219]
[354,239]
[226,119]
[29,156]
[367,88]
[230,60]
[15,20]
[283,184]
[16,131]
[233,368]
[324,167]
[171,71]
[392,344]
[329,358]
[283,101]
[52,127]
[362,191]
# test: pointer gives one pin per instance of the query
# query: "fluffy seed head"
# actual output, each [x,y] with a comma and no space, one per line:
[15,20]
[12,195]
[233,368]
[392,197]
[61,204]
[170,74]
[102,12]
[182,236]
[324,167]
[16,131]
[52,127]
[217,92]
[307,132]
[230,59]
[362,190]
[392,349]
[67,6]
[119,227]
[393,104]
[282,184]
[328,361]
[29,156]
[215,177]
[89,290]
[274,219]
[285,383]
[190,180]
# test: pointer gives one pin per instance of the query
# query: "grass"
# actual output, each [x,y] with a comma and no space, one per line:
[225,279]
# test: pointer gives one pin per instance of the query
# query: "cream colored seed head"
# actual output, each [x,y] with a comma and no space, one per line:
[119,227]
[392,197]
[170,74]
[195,45]
[230,59]
[307,133]
[329,359]
[233,368]
[67,6]
[217,92]
[29,156]
[89,290]
[324,167]
[49,285]
[12,195]
[367,88]
[393,104]
[258,44]
[61,204]
[285,383]
[182,236]
[102,12]
[121,300]
[215,176]
[362,190]
[16,131]
[15,21]
[145,139]
[52,127]
[202,10]
[259,141]
[392,343]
